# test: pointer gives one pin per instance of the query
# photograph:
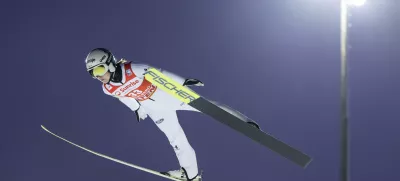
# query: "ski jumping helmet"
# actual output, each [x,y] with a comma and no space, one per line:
[100,61]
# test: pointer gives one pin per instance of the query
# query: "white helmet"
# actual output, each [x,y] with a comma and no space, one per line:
[100,57]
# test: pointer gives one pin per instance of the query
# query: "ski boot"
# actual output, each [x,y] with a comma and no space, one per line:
[181,174]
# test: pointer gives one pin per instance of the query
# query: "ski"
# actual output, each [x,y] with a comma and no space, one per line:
[235,122]
[113,159]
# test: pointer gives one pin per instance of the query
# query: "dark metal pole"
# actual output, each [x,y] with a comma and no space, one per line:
[344,164]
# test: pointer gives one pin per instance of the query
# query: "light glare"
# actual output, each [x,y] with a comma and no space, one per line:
[355,2]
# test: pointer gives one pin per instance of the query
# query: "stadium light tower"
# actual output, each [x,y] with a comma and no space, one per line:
[344,165]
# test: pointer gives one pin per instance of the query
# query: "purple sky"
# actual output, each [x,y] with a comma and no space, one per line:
[278,62]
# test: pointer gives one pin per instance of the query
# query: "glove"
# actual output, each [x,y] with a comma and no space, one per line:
[193,82]
[140,114]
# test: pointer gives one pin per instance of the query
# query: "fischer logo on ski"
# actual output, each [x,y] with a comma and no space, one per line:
[171,87]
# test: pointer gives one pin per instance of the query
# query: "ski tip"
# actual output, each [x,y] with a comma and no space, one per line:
[43,127]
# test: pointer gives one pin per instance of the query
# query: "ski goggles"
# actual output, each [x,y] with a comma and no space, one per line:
[99,70]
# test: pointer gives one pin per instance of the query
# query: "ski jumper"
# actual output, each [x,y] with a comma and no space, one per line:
[138,93]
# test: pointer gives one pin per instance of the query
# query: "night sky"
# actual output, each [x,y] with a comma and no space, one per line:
[276,61]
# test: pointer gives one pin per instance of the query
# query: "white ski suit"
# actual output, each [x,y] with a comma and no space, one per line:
[146,99]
